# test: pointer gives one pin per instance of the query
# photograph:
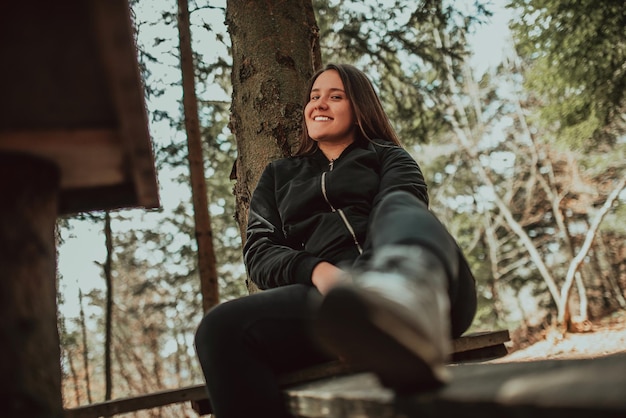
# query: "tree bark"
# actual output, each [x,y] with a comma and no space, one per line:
[275,51]
[30,367]
[207,264]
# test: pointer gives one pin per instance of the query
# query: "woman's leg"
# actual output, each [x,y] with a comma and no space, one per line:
[242,344]
[410,296]
[403,220]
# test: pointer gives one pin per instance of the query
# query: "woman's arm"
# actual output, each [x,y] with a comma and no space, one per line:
[400,171]
[269,259]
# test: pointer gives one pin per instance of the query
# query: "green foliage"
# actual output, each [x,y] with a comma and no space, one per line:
[576,52]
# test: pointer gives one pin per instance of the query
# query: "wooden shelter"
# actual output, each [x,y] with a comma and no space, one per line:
[73,137]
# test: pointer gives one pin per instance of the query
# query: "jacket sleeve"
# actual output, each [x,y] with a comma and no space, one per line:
[270,260]
[400,171]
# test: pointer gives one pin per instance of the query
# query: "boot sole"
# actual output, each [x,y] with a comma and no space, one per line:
[357,326]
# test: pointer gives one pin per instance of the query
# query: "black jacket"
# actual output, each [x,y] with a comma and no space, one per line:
[306,209]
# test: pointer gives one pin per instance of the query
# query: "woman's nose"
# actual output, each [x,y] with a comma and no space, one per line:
[321,103]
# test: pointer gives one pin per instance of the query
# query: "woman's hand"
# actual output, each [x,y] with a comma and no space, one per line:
[326,275]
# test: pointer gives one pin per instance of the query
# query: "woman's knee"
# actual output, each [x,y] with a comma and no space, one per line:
[216,326]
[203,330]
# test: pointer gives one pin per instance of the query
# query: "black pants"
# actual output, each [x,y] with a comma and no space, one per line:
[242,344]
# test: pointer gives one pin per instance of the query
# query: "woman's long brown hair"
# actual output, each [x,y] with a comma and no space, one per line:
[371,119]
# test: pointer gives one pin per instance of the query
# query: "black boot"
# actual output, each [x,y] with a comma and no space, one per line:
[393,320]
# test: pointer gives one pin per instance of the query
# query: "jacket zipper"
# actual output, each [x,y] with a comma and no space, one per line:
[342,215]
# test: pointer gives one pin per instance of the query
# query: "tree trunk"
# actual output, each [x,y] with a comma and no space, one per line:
[494,283]
[204,232]
[85,351]
[108,323]
[275,51]
[564,317]
[73,375]
[30,366]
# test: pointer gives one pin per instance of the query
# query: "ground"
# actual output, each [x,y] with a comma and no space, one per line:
[603,337]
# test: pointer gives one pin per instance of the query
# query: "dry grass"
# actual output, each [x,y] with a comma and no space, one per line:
[604,337]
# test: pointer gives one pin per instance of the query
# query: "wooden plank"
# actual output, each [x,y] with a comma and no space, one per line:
[113,27]
[563,388]
[87,158]
[136,403]
[479,340]
[480,354]
[473,346]
[93,166]
[480,346]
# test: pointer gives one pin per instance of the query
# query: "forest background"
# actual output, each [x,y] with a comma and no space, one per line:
[522,142]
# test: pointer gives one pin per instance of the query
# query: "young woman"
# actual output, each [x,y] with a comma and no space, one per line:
[351,262]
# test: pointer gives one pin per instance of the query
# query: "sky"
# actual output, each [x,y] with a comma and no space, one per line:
[491,40]
[83,248]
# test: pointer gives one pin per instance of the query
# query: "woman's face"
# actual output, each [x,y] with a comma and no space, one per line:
[328,114]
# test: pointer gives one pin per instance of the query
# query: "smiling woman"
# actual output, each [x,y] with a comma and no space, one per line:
[351,262]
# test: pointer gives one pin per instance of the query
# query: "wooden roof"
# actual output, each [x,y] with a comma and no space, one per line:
[71,92]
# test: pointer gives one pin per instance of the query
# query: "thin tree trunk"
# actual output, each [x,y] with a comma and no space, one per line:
[583,301]
[124,372]
[204,233]
[83,330]
[492,246]
[180,352]
[132,365]
[153,341]
[108,323]
[74,376]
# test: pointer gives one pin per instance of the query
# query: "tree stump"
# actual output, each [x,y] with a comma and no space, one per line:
[30,368]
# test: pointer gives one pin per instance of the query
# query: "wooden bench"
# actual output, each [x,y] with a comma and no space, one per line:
[479,346]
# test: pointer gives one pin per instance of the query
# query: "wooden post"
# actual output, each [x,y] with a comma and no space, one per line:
[30,367]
